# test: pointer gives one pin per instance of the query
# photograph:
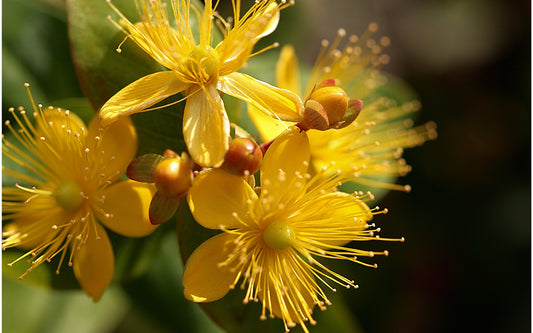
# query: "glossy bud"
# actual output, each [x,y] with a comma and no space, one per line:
[334,101]
[243,157]
[173,176]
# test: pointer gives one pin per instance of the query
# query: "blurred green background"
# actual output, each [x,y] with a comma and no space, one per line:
[466,264]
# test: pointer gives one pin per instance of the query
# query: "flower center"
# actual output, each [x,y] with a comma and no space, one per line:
[278,235]
[69,195]
[203,60]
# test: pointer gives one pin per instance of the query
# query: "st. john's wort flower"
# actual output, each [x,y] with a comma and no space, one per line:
[201,71]
[275,242]
[72,189]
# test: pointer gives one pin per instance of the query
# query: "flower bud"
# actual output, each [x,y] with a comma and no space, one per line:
[334,101]
[243,157]
[314,117]
[173,176]
[354,108]
[325,83]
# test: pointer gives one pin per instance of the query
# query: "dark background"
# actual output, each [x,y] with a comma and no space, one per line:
[466,264]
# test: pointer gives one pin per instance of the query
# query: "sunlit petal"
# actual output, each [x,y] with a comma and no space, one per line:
[35,227]
[279,103]
[127,204]
[285,164]
[237,46]
[206,127]
[345,212]
[216,196]
[268,127]
[94,263]
[287,73]
[203,278]
[116,143]
[140,95]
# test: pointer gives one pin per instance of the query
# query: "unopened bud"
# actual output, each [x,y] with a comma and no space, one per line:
[243,157]
[354,108]
[314,116]
[169,153]
[173,176]
[334,101]
[325,83]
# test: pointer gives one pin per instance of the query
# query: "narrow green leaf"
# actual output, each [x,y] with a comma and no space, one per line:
[162,208]
[142,168]
[94,40]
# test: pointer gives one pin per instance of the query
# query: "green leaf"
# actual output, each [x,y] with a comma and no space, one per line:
[94,40]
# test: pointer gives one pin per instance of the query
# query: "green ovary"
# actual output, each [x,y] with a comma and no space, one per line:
[68,195]
[203,59]
[278,235]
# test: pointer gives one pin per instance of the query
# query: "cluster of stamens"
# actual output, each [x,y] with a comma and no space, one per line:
[54,150]
[257,248]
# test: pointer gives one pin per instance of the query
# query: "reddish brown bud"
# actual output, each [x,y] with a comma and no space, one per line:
[169,153]
[173,176]
[243,157]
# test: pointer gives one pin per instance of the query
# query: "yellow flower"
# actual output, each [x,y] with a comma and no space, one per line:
[275,241]
[371,147]
[74,190]
[201,70]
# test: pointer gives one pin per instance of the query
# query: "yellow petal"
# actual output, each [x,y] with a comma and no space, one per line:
[54,125]
[94,262]
[216,195]
[140,95]
[287,74]
[58,120]
[344,212]
[128,203]
[203,279]
[266,27]
[268,127]
[206,127]
[206,23]
[278,103]
[238,45]
[118,142]
[35,226]
[284,165]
